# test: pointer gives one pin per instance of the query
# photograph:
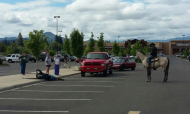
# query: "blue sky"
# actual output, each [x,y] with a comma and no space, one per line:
[141,19]
[54,4]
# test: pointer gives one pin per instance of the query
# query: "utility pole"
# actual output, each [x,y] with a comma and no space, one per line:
[118,39]
[183,43]
[57,30]
[61,40]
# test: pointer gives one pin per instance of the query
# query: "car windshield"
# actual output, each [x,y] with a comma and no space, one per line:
[96,56]
[118,60]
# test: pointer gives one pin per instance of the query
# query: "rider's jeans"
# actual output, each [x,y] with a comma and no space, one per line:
[149,60]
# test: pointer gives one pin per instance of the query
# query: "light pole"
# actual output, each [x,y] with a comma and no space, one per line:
[60,40]
[57,30]
[118,39]
[183,42]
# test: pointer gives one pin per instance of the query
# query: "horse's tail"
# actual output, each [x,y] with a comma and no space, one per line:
[167,68]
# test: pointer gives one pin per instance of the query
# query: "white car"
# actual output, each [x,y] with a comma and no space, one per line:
[11,58]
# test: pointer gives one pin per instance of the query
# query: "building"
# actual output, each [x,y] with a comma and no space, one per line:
[167,48]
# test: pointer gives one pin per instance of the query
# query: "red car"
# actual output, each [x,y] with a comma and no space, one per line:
[123,63]
[96,62]
[77,60]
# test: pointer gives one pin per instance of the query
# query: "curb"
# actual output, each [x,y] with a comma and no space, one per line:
[30,83]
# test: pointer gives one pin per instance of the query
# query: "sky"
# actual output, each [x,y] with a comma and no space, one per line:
[129,19]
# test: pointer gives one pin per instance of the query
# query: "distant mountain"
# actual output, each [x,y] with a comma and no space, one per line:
[49,34]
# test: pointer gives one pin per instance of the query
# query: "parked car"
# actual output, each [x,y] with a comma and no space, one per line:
[3,58]
[42,57]
[96,62]
[188,57]
[77,60]
[123,63]
[178,55]
[11,58]
[31,58]
[71,58]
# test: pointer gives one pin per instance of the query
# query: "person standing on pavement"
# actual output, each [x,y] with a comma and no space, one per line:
[23,60]
[65,60]
[48,63]
[56,64]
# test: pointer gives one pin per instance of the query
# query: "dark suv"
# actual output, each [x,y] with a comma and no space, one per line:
[31,58]
[42,57]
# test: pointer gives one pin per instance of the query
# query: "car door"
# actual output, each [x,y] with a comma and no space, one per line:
[16,57]
[128,64]
[13,58]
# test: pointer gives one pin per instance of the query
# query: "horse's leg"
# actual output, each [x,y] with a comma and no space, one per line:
[148,74]
[147,70]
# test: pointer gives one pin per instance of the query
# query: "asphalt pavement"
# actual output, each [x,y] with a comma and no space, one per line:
[123,92]
[14,68]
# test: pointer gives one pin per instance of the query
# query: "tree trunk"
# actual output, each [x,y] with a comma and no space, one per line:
[36,66]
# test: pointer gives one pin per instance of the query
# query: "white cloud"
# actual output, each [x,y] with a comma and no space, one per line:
[148,19]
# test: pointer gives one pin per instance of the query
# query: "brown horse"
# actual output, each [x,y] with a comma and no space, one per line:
[155,63]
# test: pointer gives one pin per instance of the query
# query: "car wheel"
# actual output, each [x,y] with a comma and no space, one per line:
[82,74]
[110,72]
[105,72]
[10,61]
[132,68]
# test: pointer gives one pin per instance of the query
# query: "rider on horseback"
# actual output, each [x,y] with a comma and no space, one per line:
[153,54]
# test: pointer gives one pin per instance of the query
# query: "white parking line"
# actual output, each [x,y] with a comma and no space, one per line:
[76,85]
[21,87]
[99,78]
[98,81]
[59,91]
[34,111]
[36,99]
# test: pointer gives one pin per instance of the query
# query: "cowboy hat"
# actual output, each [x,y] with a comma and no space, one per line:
[152,44]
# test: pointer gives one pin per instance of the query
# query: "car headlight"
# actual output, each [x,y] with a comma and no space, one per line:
[102,64]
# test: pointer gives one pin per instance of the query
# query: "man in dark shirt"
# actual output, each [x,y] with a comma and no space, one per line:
[153,54]
[23,60]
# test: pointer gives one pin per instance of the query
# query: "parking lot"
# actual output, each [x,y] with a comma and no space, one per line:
[123,92]
[14,68]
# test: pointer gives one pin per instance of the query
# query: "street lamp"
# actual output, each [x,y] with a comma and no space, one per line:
[118,39]
[61,38]
[57,30]
[183,42]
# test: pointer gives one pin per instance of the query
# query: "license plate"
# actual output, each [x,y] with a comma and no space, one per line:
[87,68]
[95,68]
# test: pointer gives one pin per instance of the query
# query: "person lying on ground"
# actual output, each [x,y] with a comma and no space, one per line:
[47,77]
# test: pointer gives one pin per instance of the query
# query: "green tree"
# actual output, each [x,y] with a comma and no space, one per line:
[2,47]
[137,46]
[67,45]
[115,48]
[77,47]
[9,50]
[146,49]
[100,43]
[128,51]
[51,52]
[53,46]
[36,43]
[20,40]
[90,47]
[122,52]
[186,52]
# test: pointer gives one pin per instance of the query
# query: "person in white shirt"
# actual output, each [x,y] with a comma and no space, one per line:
[48,63]
[56,64]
